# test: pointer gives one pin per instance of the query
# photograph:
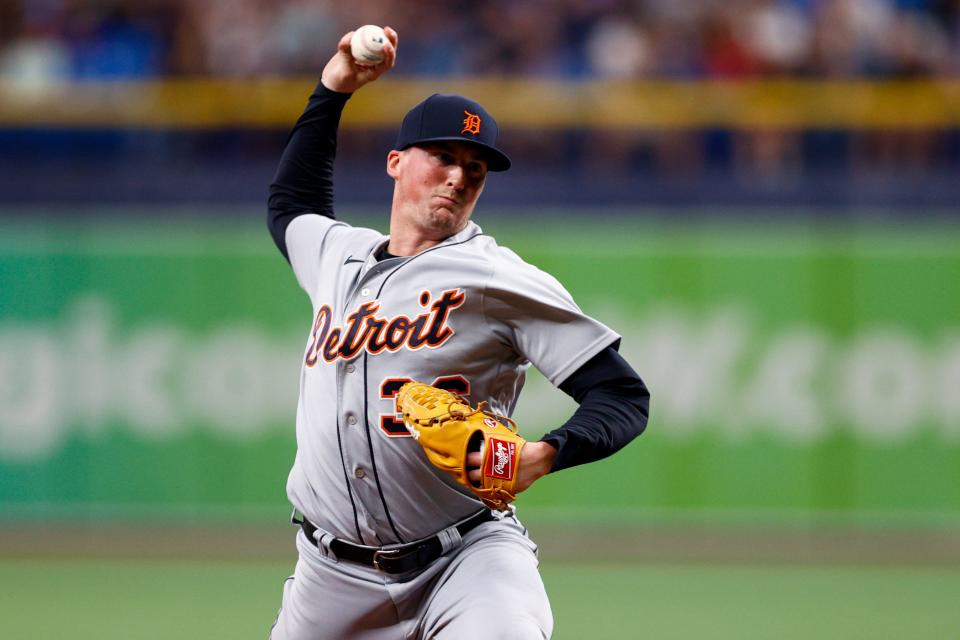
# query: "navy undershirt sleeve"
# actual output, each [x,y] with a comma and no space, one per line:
[614,407]
[304,180]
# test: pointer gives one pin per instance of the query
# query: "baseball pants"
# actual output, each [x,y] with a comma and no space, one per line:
[488,588]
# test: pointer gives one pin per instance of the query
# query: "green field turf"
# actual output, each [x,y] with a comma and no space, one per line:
[112,599]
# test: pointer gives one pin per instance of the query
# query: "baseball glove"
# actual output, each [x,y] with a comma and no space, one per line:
[448,428]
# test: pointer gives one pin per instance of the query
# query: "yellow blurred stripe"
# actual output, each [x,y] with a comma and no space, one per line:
[664,104]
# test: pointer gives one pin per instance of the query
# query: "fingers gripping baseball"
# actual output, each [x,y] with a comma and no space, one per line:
[344,74]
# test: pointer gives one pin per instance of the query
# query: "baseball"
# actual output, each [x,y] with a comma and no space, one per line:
[366,45]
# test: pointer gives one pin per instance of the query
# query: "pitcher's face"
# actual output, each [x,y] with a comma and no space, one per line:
[437,185]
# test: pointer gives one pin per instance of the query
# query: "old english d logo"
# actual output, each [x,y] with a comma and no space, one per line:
[471,124]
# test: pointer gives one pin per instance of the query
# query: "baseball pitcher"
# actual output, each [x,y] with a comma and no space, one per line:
[407,461]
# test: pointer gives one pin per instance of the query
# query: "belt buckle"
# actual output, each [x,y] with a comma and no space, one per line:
[379,553]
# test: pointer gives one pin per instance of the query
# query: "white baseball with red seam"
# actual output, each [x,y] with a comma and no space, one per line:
[366,45]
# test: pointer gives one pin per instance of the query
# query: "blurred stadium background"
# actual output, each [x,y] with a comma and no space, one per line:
[762,196]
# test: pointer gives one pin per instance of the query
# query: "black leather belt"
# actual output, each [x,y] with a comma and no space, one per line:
[395,558]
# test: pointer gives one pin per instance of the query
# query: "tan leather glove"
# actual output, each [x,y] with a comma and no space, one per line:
[448,428]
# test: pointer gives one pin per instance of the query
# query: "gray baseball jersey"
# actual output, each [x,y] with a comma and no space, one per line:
[466,315]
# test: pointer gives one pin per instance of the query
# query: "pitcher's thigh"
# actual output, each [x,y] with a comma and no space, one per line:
[492,590]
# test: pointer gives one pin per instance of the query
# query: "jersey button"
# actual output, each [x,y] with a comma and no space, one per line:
[352,420]
[351,368]
[359,472]
[365,292]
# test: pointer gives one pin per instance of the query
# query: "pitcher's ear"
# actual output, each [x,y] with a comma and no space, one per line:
[393,162]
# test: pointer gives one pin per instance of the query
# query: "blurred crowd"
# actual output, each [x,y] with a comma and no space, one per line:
[559,38]
[48,41]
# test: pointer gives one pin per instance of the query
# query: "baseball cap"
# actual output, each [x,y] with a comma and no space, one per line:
[448,117]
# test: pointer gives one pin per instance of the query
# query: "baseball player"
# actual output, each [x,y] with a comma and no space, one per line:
[389,545]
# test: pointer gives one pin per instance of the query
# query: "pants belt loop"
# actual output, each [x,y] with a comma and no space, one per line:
[323,540]
[449,538]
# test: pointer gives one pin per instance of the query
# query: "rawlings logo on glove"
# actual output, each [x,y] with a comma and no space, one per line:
[448,428]
[501,462]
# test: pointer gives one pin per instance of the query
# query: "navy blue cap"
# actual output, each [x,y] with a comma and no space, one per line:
[447,117]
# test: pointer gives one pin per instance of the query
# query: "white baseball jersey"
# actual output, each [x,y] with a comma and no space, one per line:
[466,315]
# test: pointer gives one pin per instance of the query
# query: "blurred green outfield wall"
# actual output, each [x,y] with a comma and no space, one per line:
[798,372]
